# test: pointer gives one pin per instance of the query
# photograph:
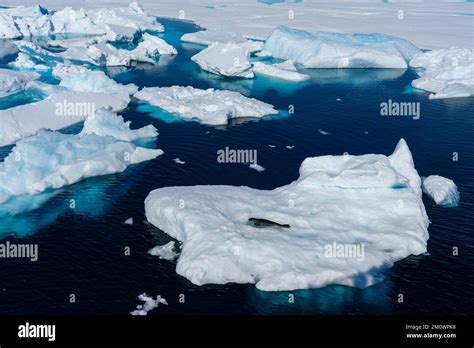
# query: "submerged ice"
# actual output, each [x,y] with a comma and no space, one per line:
[370,200]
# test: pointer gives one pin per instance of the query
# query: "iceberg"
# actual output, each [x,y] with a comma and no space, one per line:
[370,202]
[149,304]
[165,252]
[285,71]
[209,106]
[336,50]
[150,48]
[92,81]
[12,82]
[210,37]
[229,59]
[100,54]
[105,122]
[51,160]
[57,111]
[24,61]
[61,70]
[442,190]
[447,73]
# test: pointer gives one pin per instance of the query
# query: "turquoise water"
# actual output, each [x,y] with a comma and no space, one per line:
[81,250]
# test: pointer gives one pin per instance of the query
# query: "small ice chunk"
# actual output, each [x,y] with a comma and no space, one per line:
[150,48]
[442,190]
[129,221]
[290,146]
[229,59]
[165,252]
[323,132]
[272,146]
[149,304]
[177,160]
[257,167]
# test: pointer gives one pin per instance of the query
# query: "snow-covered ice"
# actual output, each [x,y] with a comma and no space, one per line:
[209,106]
[149,304]
[12,82]
[165,252]
[442,190]
[150,48]
[210,37]
[229,59]
[447,73]
[105,122]
[349,200]
[92,81]
[57,111]
[336,50]
[24,61]
[51,160]
[285,71]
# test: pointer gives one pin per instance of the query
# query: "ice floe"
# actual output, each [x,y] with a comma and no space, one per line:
[149,304]
[92,81]
[447,73]
[178,161]
[165,252]
[24,61]
[442,190]
[336,50]
[51,160]
[257,167]
[229,59]
[12,82]
[369,201]
[150,48]
[209,106]
[210,37]
[285,71]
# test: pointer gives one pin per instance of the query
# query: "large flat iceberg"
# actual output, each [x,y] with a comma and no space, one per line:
[447,73]
[337,50]
[209,106]
[370,203]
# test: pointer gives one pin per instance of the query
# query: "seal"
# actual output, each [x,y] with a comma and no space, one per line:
[266,223]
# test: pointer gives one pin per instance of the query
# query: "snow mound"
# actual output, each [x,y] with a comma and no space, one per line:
[209,106]
[448,73]
[150,48]
[92,81]
[285,71]
[51,160]
[12,81]
[229,59]
[371,203]
[336,50]
[149,304]
[442,190]
[105,122]
[57,111]
[165,252]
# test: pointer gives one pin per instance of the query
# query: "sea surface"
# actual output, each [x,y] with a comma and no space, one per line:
[82,249]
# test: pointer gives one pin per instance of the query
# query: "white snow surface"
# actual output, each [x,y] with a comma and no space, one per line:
[12,81]
[229,59]
[447,73]
[336,50]
[165,252]
[150,48]
[285,71]
[24,61]
[92,81]
[105,122]
[209,106]
[349,200]
[148,305]
[26,120]
[51,160]
[442,190]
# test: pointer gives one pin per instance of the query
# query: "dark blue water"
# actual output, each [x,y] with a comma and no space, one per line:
[81,250]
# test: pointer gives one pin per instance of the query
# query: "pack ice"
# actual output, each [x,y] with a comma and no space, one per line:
[209,106]
[446,73]
[12,82]
[370,201]
[51,160]
[337,50]
[442,190]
